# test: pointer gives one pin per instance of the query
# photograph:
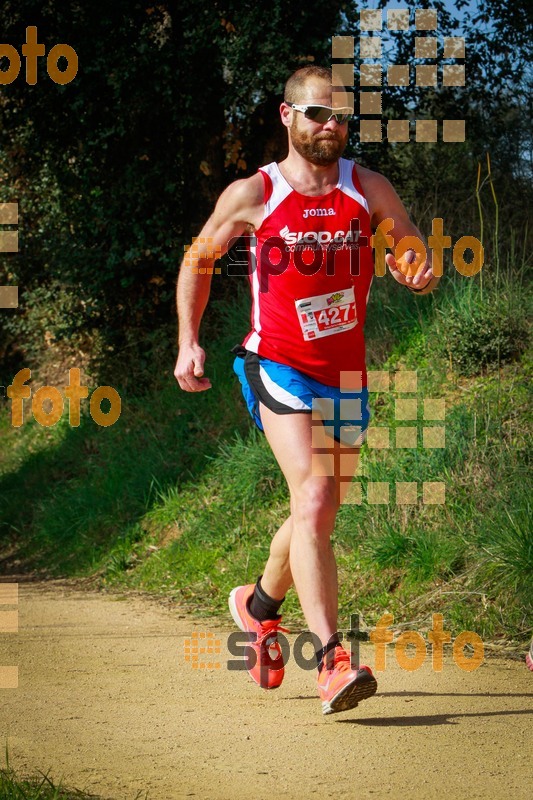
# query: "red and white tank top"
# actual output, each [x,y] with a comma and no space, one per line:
[310,271]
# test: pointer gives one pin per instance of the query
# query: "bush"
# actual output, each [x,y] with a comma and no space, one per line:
[481,336]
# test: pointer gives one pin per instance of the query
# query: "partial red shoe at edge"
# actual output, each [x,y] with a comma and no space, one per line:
[264,659]
[529,657]
[340,687]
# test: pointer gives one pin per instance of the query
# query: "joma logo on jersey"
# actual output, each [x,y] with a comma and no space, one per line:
[319,212]
[312,238]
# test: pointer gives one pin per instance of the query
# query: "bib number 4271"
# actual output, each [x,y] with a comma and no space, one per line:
[327,314]
[332,316]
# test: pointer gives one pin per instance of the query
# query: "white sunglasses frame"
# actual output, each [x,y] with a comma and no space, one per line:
[344,111]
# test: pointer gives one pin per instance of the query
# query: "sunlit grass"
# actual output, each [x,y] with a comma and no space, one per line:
[182,496]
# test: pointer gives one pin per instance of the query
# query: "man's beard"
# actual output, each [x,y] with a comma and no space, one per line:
[322,149]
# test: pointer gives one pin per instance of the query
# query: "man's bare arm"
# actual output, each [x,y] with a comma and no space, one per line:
[410,270]
[238,207]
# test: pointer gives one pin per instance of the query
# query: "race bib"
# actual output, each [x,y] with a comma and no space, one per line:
[326,314]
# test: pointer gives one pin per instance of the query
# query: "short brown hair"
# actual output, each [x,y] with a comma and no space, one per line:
[294,88]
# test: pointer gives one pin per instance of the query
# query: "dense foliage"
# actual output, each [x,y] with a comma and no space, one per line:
[115,171]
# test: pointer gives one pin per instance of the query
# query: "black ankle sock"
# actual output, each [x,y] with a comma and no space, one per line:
[321,654]
[262,606]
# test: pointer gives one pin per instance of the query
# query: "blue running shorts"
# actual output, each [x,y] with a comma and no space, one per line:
[285,390]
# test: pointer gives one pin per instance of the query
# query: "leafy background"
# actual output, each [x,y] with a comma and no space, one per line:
[116,171]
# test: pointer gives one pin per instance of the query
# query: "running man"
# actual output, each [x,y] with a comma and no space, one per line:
[302,366]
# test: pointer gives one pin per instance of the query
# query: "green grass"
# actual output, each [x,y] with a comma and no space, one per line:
[15,787]
[182,495]
[69,495]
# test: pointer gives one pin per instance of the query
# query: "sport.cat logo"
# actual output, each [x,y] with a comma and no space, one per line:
[311,238]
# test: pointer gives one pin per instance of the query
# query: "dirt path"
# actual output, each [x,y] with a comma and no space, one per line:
[107,702]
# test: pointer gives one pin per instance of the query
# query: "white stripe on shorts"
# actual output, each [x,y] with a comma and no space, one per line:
[280,394]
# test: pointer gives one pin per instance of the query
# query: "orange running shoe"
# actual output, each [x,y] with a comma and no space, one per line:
[340,687]
[264,660]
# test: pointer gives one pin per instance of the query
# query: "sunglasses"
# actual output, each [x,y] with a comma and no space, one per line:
[323,114]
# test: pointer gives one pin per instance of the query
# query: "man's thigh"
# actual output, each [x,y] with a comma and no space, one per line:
[307,455]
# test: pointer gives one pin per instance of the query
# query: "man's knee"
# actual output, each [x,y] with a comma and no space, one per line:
[316,504]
